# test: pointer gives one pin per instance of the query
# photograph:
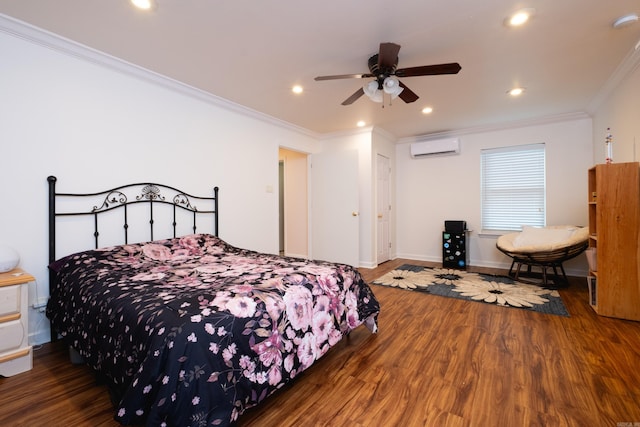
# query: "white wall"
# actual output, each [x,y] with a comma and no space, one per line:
[434,189]
[95,127]
[620,111]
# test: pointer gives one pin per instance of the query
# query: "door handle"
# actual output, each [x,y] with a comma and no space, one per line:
[354,213]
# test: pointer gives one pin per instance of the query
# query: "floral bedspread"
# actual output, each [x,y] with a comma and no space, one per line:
[192,331]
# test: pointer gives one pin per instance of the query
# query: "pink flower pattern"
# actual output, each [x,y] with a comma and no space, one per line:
[193,329]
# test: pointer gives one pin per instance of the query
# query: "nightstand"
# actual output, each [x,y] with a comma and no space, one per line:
[15,351]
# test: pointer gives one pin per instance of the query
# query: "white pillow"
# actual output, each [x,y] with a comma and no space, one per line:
[533,236]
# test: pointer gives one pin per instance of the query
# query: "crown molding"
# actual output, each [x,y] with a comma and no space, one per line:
[346,132]
[624,69]
[384,133]
[55,42]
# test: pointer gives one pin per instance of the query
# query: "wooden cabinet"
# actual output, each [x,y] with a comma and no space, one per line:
[614,239]
[15,351]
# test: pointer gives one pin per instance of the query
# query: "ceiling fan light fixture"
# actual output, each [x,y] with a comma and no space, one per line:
[371,90]
[383,67]
[391,85]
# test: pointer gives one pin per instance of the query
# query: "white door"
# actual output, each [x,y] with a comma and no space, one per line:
[335,219]
[383,208]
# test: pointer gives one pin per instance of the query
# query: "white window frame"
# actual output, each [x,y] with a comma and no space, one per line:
[513,188]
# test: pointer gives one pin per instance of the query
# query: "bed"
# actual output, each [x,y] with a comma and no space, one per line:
[190,330]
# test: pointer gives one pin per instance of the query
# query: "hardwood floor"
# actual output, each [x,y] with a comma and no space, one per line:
[435,362]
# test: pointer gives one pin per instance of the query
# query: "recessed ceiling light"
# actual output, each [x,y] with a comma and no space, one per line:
[516,91]
[361,123]
[625,20]
[143,4]
[297,89]
[520,17]
[427,110]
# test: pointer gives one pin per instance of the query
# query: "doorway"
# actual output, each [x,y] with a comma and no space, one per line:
[383,191]
[333,184]
[293,203]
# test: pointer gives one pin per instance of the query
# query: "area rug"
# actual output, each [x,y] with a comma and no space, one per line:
[486,288]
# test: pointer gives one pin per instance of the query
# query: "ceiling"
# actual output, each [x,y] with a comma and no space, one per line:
[252,53]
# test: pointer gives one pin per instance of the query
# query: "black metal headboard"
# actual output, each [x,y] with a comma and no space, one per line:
[124,196]
[120,198]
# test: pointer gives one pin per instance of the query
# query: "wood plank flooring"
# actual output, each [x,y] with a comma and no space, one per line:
[435,362]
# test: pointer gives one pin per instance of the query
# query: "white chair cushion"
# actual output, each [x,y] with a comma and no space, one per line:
[536,239]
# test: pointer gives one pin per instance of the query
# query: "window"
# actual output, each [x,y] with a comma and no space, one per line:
[513,187]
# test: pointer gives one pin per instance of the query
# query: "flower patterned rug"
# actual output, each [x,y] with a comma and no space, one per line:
[487,288]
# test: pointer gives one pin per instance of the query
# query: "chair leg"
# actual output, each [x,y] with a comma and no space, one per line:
[518,271]
[511,268]
[559,278]
[564,275]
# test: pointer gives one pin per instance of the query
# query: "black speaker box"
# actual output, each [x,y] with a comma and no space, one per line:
[455,226]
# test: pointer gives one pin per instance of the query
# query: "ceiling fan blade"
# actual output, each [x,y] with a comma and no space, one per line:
[350,100]
[343,76]
[388,55]
[429,70]
[407,95]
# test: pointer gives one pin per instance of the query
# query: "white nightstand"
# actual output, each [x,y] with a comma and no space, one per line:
[15,351]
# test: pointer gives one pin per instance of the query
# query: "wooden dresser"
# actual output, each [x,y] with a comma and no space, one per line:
[15,351]
[614,239]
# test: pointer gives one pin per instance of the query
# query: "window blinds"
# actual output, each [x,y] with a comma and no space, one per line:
[513,187]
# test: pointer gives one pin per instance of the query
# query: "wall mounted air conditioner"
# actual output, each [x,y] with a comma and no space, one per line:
[435,147]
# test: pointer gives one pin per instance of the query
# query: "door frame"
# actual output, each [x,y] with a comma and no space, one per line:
[383,192]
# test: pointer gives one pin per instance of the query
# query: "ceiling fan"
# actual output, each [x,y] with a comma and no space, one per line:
[383,67]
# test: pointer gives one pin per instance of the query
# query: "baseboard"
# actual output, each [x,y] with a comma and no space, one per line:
[578,272]
[363,264]
[297,256]
[419,257]
[40,337]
